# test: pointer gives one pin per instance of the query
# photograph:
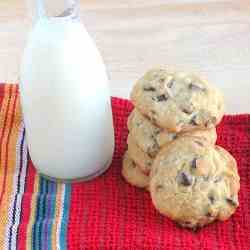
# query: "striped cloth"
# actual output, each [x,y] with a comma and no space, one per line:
[33,211]
[105,213]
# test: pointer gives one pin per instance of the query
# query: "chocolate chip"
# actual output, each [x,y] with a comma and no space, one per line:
[194,163]
[157,131]
[232,202]
[170,84]
[208,214]
[174,136]
[133,164]
[158,187]
[161,98]
[199,143]
[149,89]
[217,179]
[152,137]
[187,111]
[185,179]
[195,87]
[193,121]
[207,124]
[211,198]
[138,124]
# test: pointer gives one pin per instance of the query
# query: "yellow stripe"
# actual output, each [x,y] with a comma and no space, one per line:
[58,208]
[32,213]
[11,163]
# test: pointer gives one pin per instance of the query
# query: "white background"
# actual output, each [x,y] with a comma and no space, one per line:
[208,37]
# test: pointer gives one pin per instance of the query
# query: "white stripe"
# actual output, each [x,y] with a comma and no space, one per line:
[14,193]
[58,227]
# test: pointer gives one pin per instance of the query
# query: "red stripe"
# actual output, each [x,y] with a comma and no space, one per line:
[73,239]
[26,207]
[2,93]
[7,145]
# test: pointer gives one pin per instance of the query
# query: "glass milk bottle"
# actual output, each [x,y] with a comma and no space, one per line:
[65,96]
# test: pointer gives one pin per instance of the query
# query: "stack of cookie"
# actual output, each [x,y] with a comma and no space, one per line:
[172,152]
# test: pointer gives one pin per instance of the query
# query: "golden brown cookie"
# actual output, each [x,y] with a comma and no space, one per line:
[178,101]
[132,173]
[151,138]
[194,182]
[142,159]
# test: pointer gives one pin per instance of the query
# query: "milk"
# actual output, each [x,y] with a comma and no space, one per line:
[66,101]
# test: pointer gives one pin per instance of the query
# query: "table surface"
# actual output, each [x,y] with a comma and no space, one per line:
[210,37]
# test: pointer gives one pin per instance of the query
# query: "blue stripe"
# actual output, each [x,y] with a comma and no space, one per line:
[35,235]
[43,213]
[52,213]
[42,207]
[65,217]
[40,213]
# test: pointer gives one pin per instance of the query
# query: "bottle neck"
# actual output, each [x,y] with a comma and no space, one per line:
[58,8]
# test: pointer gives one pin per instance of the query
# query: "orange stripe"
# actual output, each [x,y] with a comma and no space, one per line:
[8,158]
[7,144]
[4,133]
[3,117]
[3,124]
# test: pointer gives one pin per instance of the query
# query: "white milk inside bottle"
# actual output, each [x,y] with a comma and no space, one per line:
[66,101]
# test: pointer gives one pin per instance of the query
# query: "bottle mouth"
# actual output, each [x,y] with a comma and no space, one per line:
[67,9]
[67,13]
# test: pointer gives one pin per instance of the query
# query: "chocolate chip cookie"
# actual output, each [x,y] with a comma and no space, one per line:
[178,101]
[142,159]
[132,173]
[151,138]
[194,182]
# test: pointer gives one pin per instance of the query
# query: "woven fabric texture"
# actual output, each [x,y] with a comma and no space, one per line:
[106,213]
